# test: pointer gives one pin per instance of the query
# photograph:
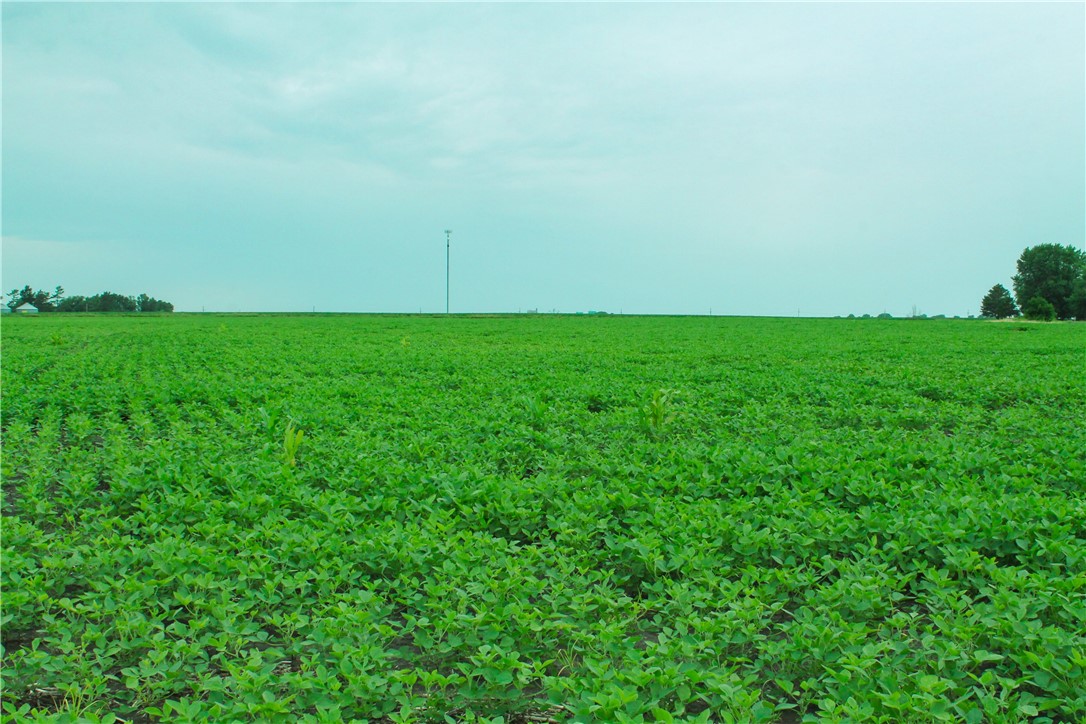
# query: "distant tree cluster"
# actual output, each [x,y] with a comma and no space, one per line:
[104,302]
[1050,284]
[887,315]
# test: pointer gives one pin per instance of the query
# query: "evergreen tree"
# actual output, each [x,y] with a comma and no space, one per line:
[998,303]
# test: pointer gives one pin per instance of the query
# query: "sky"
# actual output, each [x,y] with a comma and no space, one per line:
[813,159]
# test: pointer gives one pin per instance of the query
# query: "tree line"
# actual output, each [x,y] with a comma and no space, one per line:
[55,301]
[1050,284]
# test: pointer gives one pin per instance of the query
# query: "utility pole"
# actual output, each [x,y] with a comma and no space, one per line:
[448,233]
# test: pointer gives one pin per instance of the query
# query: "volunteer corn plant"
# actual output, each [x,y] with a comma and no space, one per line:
[850,520]
[659,412]
[292,441]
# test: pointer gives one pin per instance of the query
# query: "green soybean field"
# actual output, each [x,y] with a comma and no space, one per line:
[542,518]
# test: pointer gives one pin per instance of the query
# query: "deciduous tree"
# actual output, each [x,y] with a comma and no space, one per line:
[1077,301]
[1039,309]
[1049,271]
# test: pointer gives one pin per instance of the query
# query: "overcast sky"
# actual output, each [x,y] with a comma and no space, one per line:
[770,159]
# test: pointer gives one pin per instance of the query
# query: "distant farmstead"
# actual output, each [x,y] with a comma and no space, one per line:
[27,308]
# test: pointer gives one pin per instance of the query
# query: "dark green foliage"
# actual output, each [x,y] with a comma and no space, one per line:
[998,303]
[43,300]
[74,303]
[145,303]
[1039,309]
[1077,301]
[111,302]
[826,522]
[1049,271]
[104,302]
